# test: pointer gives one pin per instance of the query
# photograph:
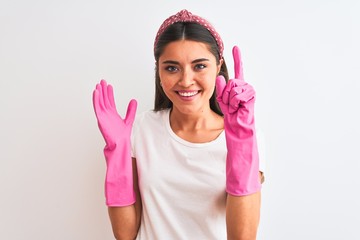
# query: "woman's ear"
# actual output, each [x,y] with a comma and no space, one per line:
[219,65]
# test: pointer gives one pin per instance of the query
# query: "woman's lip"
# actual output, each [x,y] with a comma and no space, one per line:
[187,93]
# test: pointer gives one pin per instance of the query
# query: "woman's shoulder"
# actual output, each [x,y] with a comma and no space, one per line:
[151,114]
[149,123]
[151,117]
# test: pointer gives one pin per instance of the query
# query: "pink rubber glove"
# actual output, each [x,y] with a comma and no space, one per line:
[119,190]
[236,100]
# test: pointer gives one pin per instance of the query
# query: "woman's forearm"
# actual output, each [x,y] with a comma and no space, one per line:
[125,222]
[243,216]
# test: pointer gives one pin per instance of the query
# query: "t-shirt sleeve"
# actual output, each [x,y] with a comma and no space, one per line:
[262,149]
[134,131]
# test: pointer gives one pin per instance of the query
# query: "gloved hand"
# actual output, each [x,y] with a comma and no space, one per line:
[236,99]
[116,131]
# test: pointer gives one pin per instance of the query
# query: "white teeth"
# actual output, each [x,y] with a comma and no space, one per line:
[187,94]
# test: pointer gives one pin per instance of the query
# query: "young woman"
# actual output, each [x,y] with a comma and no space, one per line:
[188,169]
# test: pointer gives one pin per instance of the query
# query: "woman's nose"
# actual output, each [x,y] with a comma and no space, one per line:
[186,79]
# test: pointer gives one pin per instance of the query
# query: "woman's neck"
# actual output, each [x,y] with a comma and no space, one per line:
[196,127]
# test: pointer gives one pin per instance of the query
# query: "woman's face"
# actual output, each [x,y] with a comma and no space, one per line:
[187,71]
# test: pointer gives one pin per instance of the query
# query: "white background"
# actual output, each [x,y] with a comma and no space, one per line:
[301,56]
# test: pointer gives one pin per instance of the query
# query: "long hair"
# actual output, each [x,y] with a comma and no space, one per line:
[185,31]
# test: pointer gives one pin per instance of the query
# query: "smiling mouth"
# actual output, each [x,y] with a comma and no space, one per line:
[187,93]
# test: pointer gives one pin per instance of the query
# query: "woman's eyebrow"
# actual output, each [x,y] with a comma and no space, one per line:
[200,60]
[176,62]
[170,62]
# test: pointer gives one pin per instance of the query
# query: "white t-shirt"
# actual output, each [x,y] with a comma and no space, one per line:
[182,184]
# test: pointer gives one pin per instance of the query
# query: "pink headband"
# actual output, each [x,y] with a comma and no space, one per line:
[186,16]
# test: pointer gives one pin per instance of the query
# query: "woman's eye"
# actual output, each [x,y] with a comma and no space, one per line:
[171,68]
[200,66]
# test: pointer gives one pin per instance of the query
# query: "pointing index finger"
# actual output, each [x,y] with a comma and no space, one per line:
[237,63]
